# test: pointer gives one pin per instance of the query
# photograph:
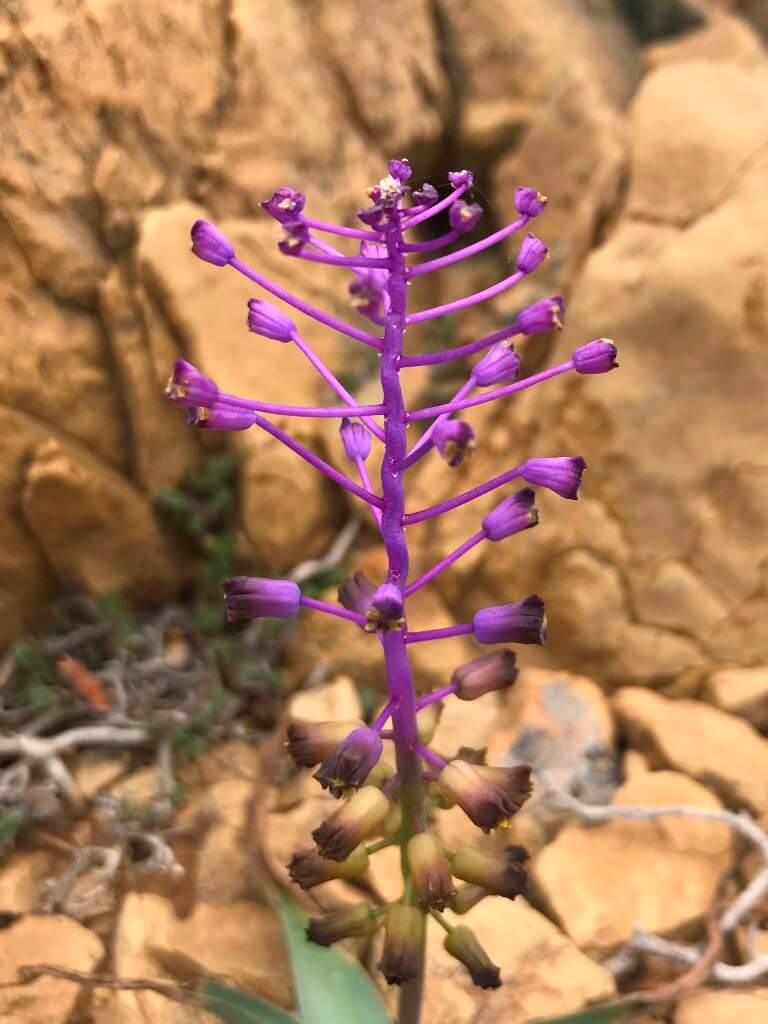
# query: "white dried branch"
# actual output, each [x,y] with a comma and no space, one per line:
[37,748]
[333,556]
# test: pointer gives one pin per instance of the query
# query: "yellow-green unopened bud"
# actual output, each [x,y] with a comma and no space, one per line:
[462,943]
[429,871]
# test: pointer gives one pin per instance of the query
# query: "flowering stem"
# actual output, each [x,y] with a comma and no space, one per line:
[448,560]
[446,354]
[468,250]
[354,262]
[366,482]
[330,412]
[432,698]
[425,442]
[461,499]
[468,300]
[331,609]
[432,211]
[438,634]
[430,756]
[381,718]
[435,243]
[337,229]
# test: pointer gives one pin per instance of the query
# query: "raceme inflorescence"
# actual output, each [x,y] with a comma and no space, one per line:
[381,805]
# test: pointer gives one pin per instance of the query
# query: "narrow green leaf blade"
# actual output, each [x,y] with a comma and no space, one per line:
[598,1015]
[239,1008]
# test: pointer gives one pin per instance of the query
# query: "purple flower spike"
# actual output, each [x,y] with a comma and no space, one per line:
[532,253]
[500,365]
[544,315]
[266,319]
[251,597]
[455,440]
[284,205]
[356,593]
[459,178]
[356,440]
[426,195]
[295,237]
[515,513]
[464,216]
[524,622]
[562,475]
[386,609]
[190,388]
[595,357]
[351,762]
[209,244]
[529,202]
[219,417]
[400,169]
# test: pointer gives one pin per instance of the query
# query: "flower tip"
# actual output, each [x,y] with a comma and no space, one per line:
[544,315]
[190,388]
[400,169]
[455,440]
[513,514]
[285,204]
[500,365]
[265,319]
[464,216]
[210,245]
[529,202]
[356,440]
[532,253]
[523,622]
[561,475]
[461,178]
[597,356]
[295,237]
[252,597]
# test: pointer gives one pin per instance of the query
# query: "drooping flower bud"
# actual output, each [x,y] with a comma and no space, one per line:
[209,244]
[488,802]
[561,475]
[251,597]
[190,388]
[500,365]
[544,315]
[374,216]
[461,942]
[295,237]
[308,869]
[386,610]
[350,763]
[266,319]
[515,513]
[523,622]
[427,721]
[353,822]
[455,440]
[219,417]
[484,675]
[356,439]
[426,195]
[532,253]
[529,202]
[499,872]
[356,592]
[309,743]
[467,896]
[355,922]
[459,178]
[464,216]
[403,942]
[285,204]
[369,293]
[429,869]
[595,357]
[400,169]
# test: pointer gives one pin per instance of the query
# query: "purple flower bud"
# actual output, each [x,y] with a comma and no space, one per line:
[355,922]
[429,869]
[529,202]
[209,244]
[459,178]
[532,253]
[515,513]
[455,440]
[356,439]
[461,942]
[426,195]
[400,169]
[356,820]
[220,417]
[309,743]
[251,597]
[595,357]
[500,365]
[373,216]
[266,319]
[464,216]
[524,622]
[487,800]
[499,873]
[544,315]
[370,296]
[351,762]
[284,205]
[485,675]
[190,388]
[295,237]
[386,609]
[308,869]
[561,475]
[403,943]
[356,593]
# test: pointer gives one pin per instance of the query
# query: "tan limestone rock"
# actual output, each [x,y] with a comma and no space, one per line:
[337,700]
[224,862]
[724,1007]
[740,691]
[21,880]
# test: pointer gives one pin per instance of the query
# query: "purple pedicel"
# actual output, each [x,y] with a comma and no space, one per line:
[351,754]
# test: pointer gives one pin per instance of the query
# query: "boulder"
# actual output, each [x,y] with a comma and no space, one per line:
[740,691]
[723,1007]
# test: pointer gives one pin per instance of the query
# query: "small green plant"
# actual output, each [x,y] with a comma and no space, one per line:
[38,691]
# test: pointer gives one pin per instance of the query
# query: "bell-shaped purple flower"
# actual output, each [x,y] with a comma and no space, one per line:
[491,672]
[532,253]
[462,943]
[464,216]
[209,244]
[455,440]
[429,869]
[544,315]
[356,593]
[500,365]
[352,922]
[356,439]
[515,513]
[489,797]
[266,319]
[400,169]
[308,869]
[190,388]
[295,237]
[500,873]
[523,622]
[529,202]
[351,762]
[426,195]
[595,357]
[459,178]
[309,743]
[285,204]
[386,610]
[251,597]
[401,956]
[219,417]
[561,475]
[356,820]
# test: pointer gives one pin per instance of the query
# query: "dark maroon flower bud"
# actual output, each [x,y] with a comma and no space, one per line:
[455,440]
[595,357]
[295,237]
[561,475]
[354,821]
[308,869]
[374,216]
[429,869]
[515,513]
[403,943]
[251,597]
[464,216]
[529,202]
[355,922]
[351,762]
[356,593]
[426,195]
[285,204]
[468,896]
[532,253]
[500,365]
[459,178]
[524,622]
[309,743]
[462,943]
[219,417]
[356,439]
[500,873]
[484,675]
[386,609]
[209,244]
[488,801]
[544,315]
[400,169]
[190,388]
[266,319]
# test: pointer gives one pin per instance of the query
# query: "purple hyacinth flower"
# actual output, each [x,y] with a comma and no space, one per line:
[356,593]
[285,204]
[266,319]
[455,440]
[190,388]
[561,475]
[220,417]
[356,439]
[426,195]
[595,357]
[532,253]
[295,237]
[386,609]
[464,216]
[209,244]
[500,365]
[529,202]
[251,597]
[544,315]
[400,169]
[351,762]
[524,622]
[459,178]
[515,513]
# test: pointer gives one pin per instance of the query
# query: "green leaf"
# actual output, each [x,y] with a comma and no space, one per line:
[598,1015]
[328,985]
[238,1008]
